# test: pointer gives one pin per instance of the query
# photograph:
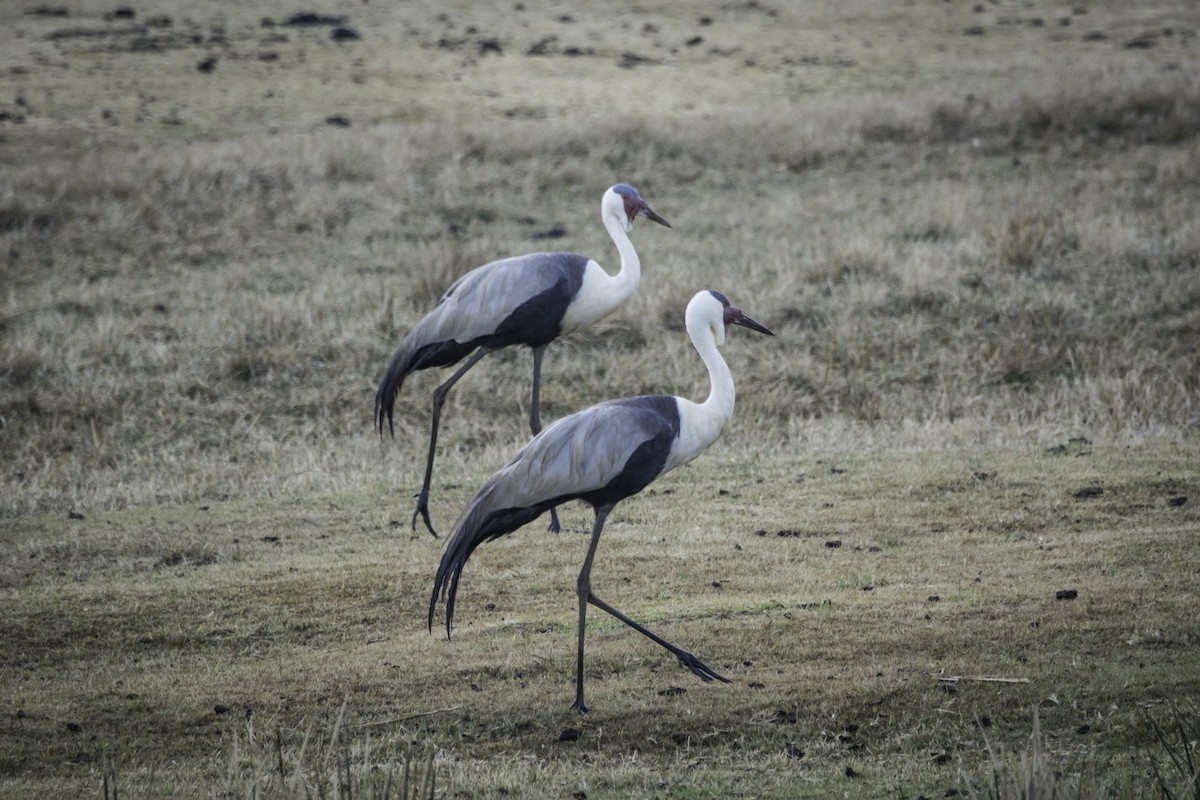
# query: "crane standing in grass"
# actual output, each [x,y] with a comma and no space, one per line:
[602,455]
[526,300]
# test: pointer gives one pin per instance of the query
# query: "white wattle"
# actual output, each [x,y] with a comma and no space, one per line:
[600,293]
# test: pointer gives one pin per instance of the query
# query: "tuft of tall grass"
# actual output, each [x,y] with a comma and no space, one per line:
[343,764]
[1168,767]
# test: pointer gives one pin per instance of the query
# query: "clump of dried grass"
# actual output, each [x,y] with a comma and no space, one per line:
[224,309]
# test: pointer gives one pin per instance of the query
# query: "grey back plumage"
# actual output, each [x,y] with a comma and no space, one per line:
[599,455]
[479,303]
[514,301]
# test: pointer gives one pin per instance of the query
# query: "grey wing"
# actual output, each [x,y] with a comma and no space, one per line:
[486,296]
[601,455]
[580,453]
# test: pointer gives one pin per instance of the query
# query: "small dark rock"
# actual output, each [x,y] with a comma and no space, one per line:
[851,772]
[671,691]
[207,65]
[983,721]
[833,544]
[973,30]
[1082,729]
[794,752]
[941,758]
[785,717]
[123,12]
[338,121]
[74,515]
[553,232]
[1066,594]
[570,735]
[933,598]
[74,727]
[220,708]
[81,758]
[307,19]
[1176,502]
[1094,36]
[695,40]
[630,60]
[490,45]
[837,470]
[542,46]
[1088,491]
[1140,43]
[680,739]
[270,538]
[342,34]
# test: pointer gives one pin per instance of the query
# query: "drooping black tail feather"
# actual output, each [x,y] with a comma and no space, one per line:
[389,386]
[479,523]
[415,353]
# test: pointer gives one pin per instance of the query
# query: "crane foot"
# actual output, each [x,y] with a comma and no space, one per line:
[555,527]
[422,511]
[699,668]
[579,706]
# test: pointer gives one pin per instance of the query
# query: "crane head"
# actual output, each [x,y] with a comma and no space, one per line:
[630,205]
[716,306]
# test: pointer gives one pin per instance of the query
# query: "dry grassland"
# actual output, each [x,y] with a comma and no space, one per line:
[973,228]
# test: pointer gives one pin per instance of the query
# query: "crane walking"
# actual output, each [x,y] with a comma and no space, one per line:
[602,455]
[525,300]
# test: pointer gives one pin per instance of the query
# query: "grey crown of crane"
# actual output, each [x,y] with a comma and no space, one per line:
[602,455]
[526,300]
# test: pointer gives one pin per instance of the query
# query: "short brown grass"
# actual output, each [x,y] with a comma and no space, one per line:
[971,227]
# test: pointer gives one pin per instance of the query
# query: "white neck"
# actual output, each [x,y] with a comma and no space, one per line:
[718,408]
[701,423]
[620,286]
[601,293]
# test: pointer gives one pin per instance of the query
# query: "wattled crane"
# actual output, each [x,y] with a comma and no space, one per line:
[602,455]
[526,300]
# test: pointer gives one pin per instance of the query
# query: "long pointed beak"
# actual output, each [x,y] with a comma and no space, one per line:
[746,322]
[648,212]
